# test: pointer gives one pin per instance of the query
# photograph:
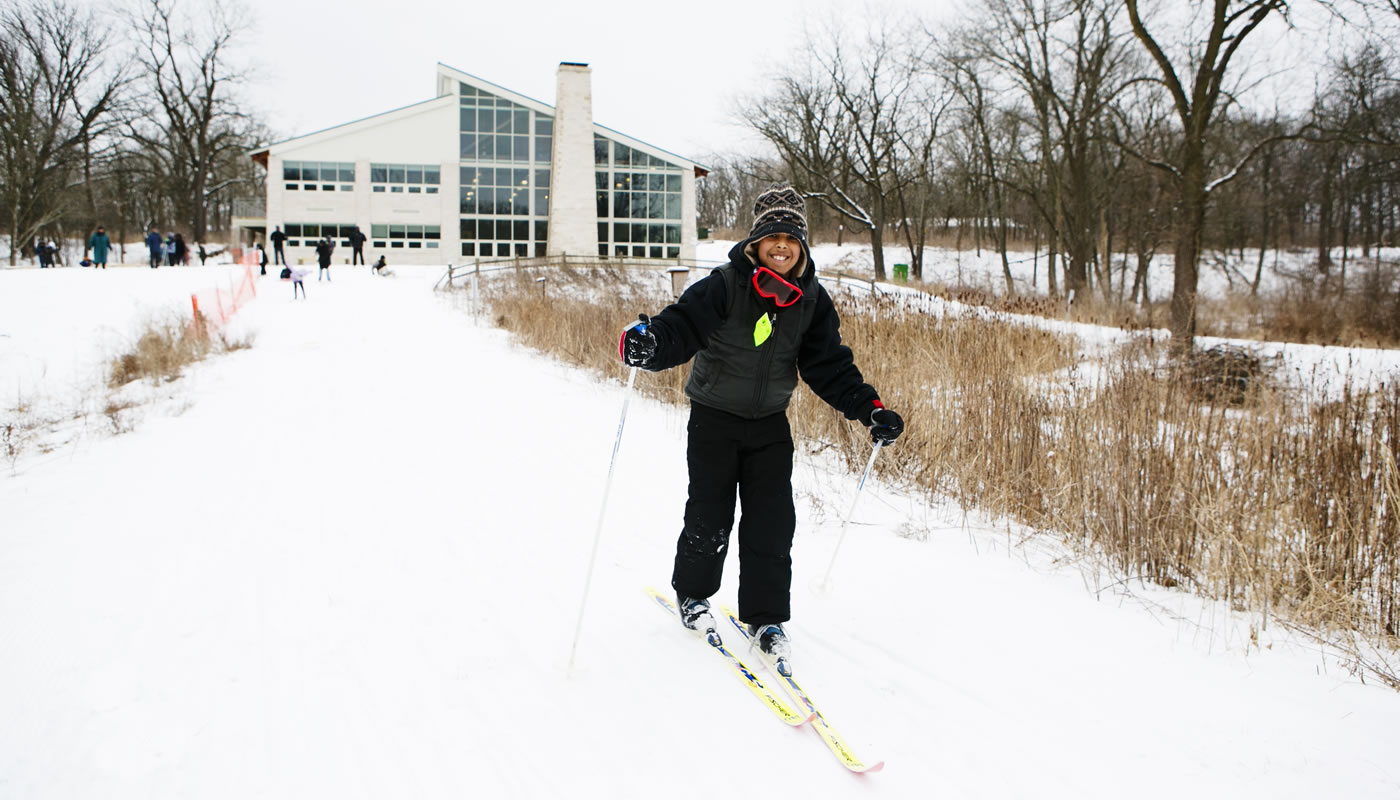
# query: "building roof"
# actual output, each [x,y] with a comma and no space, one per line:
[260,155]
[375,119]
[497,89]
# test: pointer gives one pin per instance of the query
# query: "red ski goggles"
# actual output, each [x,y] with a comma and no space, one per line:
[775,287]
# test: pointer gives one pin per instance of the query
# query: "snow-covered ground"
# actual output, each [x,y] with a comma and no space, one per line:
[347,562]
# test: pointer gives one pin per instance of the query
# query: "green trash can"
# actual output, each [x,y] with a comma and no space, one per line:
[901,272]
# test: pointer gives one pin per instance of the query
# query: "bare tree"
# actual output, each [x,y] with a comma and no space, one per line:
[199,131]
[1229,23]
[1067,60]
[842,120]
[724,199]
[970,86]
[57,90]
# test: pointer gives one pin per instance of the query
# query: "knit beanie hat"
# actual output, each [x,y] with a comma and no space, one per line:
[779,209]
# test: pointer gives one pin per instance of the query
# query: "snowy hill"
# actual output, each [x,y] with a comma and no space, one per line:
[347,561]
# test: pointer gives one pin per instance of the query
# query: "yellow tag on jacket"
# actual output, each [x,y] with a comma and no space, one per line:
[762,330]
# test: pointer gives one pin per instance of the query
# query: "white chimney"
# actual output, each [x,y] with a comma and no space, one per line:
[573,207]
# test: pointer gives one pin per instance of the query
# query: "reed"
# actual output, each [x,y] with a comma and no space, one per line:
[1275,501]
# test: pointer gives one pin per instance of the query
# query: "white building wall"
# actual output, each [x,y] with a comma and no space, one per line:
[428,133]
[421,134]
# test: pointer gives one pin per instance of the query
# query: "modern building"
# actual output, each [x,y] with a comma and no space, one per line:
[480,171]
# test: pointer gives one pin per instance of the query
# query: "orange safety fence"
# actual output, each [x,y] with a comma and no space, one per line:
[218,305]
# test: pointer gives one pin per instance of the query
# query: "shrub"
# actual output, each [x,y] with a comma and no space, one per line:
[160,352]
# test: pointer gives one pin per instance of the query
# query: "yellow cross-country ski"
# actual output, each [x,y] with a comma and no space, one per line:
[763,693]
[823,728]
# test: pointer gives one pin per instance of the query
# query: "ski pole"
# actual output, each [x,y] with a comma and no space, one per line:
[825,585]
[602,512]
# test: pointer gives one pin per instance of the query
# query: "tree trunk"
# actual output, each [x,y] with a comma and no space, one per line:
[1346,234]
[877,247]
[1105,256]
[1035,256]
[1324,221]
[14,232]
[1144,260]
[1189,225]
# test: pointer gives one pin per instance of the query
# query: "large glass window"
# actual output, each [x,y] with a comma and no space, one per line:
[639,194]
[405,178]
[326,176]
[497,238]
[495,190]
[495,129]
[307,234]
[396,236]
[544,138]
[501,192]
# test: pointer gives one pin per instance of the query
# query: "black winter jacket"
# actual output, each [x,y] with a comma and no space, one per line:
[714,322]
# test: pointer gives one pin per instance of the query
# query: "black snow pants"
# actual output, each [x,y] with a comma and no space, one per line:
[726,453]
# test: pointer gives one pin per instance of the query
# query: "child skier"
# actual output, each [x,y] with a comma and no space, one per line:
[296,276]
[752,326]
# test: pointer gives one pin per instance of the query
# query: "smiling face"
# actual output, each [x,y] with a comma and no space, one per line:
[779,252]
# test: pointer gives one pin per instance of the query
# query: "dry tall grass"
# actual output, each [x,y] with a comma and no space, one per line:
[163,349]
[1282,506]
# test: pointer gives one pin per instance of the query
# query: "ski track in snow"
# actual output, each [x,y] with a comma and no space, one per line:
[348,562]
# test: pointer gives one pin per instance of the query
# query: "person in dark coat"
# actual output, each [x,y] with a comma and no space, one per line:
[357,246]
[753,326]
[99,243]
[262,259]
[323,257]
[44,253]
[180,255]
[278,237]
[156,246]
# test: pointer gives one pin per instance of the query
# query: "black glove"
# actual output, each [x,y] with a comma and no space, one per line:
[885,425]
[638,343]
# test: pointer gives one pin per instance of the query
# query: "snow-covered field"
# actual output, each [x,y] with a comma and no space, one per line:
[347,562]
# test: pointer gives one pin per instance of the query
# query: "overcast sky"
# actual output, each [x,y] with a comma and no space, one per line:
[669,74]
[665,73]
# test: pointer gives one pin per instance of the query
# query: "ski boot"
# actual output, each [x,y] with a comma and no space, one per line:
[695,615]
[773,646]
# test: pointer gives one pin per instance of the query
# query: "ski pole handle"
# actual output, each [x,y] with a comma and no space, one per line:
[637,345]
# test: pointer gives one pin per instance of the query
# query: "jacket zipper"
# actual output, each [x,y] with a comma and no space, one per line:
[764,363]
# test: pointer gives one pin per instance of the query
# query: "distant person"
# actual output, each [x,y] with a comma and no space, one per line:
[168,249]
[43,253]
[262,259]
[202,253]
[157,248]
[357,245]
[181,252]
[99,243]
[323,257]
[278,237]
[379,266]
[296,276]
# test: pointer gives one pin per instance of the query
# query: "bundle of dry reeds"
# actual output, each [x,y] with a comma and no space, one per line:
[1280,504]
